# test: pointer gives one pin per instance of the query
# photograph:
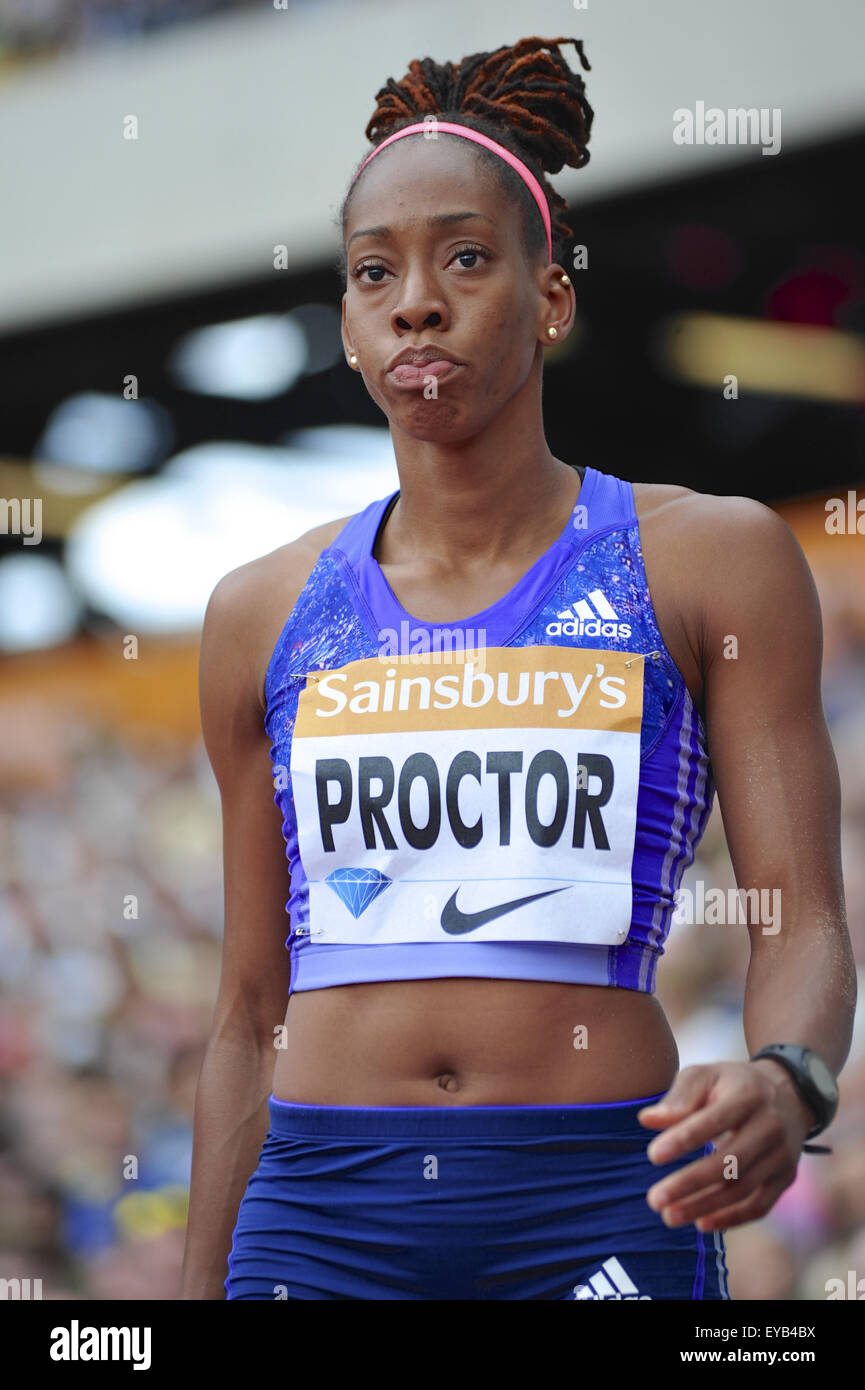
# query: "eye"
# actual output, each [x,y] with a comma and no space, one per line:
[471,251]
[368,265]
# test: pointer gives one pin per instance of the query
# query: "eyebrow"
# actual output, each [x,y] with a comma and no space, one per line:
[437,220]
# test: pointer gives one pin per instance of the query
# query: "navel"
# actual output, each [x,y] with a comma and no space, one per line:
[448,1081]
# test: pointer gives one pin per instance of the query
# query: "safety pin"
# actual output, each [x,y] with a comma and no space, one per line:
[642,655]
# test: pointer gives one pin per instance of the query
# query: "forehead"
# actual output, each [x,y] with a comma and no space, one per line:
[416,173]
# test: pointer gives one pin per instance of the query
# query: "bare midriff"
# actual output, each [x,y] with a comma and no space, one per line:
[473,1042]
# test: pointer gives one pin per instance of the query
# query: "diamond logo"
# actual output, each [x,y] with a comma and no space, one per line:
[357,888]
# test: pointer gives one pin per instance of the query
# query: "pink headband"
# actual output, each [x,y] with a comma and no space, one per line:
[451,129]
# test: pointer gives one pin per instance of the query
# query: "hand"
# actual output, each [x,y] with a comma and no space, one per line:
[748,1109]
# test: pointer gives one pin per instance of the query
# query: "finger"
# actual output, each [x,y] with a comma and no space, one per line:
[676,1187]
[689,1091]
[728,1112]
[732,1155]
[723,1194]
[752,1208]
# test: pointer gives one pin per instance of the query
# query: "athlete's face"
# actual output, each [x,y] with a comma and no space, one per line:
[435,258]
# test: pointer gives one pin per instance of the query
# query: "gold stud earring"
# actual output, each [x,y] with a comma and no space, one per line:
[552,332]
[353,358]
[565,280]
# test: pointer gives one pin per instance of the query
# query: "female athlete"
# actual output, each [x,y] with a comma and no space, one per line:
[495,708]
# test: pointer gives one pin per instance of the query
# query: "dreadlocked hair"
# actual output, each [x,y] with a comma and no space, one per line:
[525,97]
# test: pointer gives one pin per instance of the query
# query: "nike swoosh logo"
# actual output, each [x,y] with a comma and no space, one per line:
[455,922]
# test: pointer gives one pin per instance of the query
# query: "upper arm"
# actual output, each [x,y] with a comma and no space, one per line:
[245,613]
[771,753]
[255,964]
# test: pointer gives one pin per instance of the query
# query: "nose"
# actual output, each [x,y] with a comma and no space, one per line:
[421,304]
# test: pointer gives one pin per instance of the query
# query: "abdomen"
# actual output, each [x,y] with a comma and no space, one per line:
[473,1042]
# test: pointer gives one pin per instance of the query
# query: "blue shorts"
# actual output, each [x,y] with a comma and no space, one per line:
[464,1202]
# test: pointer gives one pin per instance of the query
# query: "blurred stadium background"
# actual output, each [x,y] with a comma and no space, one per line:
[174,394]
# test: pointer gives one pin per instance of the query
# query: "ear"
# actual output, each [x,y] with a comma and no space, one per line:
[344,333]
[559,310]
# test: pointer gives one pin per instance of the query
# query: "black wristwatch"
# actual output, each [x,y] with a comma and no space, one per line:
[812,1078]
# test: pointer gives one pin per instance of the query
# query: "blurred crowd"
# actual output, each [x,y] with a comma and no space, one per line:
[110,927]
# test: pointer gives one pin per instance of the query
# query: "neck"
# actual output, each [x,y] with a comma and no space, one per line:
[499,493]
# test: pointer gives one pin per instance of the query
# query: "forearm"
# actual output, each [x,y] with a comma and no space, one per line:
[230,1123]
[801,988]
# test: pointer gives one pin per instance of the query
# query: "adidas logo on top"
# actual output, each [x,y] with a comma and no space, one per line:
[610,1282]
[581,621]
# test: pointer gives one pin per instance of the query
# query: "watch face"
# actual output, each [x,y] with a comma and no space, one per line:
[822,1076]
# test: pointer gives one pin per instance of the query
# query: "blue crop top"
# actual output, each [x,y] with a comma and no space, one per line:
[513,795]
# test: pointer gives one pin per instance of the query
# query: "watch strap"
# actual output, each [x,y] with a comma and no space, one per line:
[788,1055]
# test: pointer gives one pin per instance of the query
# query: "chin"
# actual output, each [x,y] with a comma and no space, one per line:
[441,435]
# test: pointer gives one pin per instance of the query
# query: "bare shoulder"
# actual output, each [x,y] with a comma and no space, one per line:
[250,605]
[712,562]
[706,528]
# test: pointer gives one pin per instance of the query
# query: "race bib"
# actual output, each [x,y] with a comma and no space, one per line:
[490,799]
